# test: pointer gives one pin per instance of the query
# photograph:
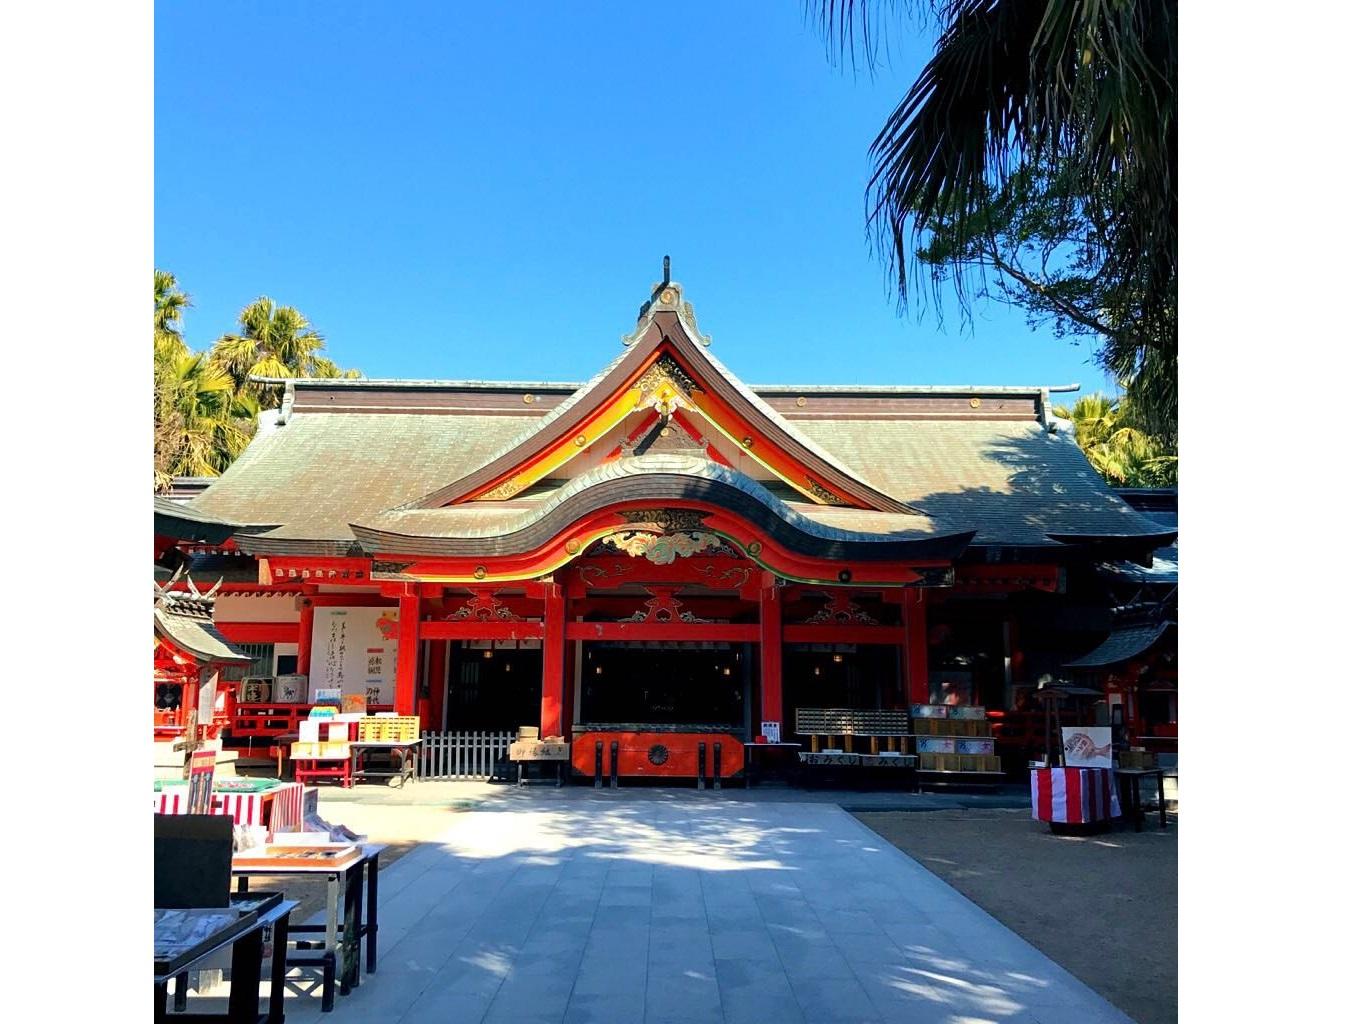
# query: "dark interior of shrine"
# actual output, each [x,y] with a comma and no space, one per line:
[656,684]
[494,690]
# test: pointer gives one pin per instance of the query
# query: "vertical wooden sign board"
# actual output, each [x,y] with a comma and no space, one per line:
[200,775]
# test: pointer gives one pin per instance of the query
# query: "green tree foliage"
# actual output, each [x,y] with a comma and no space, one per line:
[1075,95]
[1037,245]
[169,305]
[273,341]
[206,404]
[1117,448]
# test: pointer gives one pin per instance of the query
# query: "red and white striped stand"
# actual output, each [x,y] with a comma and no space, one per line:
[1073,796]
[280,809]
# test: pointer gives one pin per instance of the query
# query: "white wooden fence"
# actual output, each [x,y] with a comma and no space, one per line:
[461,755]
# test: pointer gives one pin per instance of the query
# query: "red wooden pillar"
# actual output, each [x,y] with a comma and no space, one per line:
[409,637]
[916,646]
[770,651]
[555,660]
[305,641]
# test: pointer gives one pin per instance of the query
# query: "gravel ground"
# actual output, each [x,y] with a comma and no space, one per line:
[1103,906]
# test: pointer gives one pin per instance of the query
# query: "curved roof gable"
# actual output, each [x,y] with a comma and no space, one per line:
[665,367]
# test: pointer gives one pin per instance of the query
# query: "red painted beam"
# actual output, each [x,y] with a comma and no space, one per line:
[260,632]
[468,629]
[692,631]
[826,633]
[366,600]
[717,573]
[1006,578]
[296,569]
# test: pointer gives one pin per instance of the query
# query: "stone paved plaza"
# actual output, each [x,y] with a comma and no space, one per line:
[639,906]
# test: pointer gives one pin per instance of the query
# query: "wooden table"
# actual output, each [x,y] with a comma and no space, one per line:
[405,750]
[1131,777]
[246,944]
[340,951]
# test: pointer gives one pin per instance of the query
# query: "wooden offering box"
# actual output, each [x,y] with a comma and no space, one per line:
[540,750]
[328,857]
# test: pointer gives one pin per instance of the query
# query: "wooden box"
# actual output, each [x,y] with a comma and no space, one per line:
[390,729]
[969,763]
[539,750]
[991,763]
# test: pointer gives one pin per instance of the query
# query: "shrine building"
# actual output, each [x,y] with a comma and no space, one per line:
[662,551]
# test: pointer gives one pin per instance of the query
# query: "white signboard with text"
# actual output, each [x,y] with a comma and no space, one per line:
[355,650]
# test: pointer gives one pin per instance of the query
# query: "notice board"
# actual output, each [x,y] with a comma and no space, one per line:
[355,650]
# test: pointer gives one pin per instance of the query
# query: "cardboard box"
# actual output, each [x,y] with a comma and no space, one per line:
[966,711]
[975,745]
[928,710]
[936,744]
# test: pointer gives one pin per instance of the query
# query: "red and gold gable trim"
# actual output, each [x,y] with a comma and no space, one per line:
[667,372]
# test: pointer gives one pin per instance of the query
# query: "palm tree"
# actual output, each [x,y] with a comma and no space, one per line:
[203,421]
[328,369]
[1117,449]
[1084,90]
[169,305]
[274,341]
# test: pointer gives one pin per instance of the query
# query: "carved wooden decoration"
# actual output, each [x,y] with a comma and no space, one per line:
[483,607]
[842,610]
[663,606]
[662,548]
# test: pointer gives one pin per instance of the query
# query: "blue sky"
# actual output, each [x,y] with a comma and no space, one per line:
[486,191]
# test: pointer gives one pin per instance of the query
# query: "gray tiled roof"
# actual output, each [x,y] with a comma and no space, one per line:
[1122,644]
[1012,481]
[321,471]
[196,636]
